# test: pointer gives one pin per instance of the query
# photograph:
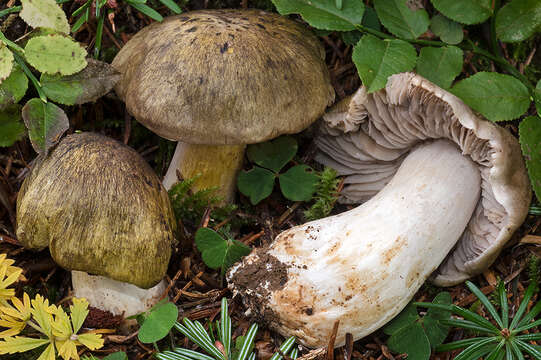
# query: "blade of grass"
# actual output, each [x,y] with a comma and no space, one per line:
[10,10]
[466,324]
[284,348]
[536,354]
[247,343]
[534,311]
[473,352]
[225,327]
[148,11]
[169,355]
[171,5]
[503,303]
[488,305]
[528,326]
[190,354]
[529,337]
[496,353]
[459,344]
[466,314]
[516,350]
[523,305]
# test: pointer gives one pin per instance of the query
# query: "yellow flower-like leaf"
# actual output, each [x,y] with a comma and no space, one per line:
[14,317]
[91,341]
[13,327]
[61,325]
[17,344]
[67,349]
[48,353]
[78,313]
[42,313]
[8,276]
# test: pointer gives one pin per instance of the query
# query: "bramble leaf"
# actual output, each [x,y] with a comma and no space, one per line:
[530,142]
[13,88]
[497,96]
[518,20]
[465,11]
[218,252]
[159,320]
[440,65]
[298,183]
[448,30]
[46,14]
[94,81]
[401,20]
[54,54]
[11,127]
[256,183]
[46,123]
[377,59]
[323,14]
[273,154]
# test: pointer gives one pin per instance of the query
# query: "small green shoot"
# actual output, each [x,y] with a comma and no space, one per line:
[416,335]
[220,348]
[157,322]
[504,339]
[297,184]
[326,195]
[217,252]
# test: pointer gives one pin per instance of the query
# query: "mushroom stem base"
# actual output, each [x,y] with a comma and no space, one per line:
[216,166]
[119,298]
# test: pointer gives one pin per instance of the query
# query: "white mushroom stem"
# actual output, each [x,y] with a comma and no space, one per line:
[216,166]
[117,297]
[363,266]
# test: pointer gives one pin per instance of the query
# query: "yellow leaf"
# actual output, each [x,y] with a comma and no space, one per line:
[12,330]
[67,350]
[42,314]
[17,344]
[91,341]
[48,353]
[61,324]
[79,311]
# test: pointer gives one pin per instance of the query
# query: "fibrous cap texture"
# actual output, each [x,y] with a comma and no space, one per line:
[224,77]
[367,137]
[100,208]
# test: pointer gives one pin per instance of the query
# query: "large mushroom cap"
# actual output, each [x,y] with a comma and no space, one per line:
[224,77]
[100,208]
[368,140]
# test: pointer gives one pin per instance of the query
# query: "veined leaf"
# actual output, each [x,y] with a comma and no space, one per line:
[411,340]
[54,54]
[530,142]
[78,313]
[273,154]
[91,341]
[440,65]
[298,183]
[46,123]
[323,14]
[46,14]
[465,11]
[448,30]
[13,88]
[218,252]
[401,20]
[496,96]
[256,183]
[12,345]
[11,127]
[158,322]
[377,59]
[518,20]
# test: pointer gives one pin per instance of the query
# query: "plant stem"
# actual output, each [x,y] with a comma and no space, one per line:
[28,72]
[493,39]
[10,10]
[10,43]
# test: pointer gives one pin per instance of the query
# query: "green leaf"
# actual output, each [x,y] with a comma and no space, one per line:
[160,320]
[298,183]
[537,97]
[13,88]
[147,10]
[96,80]
[11,127]
[53,54]
[6,61]
[465,11]
[323,14]
[119,355]
[46,14]
[218,252]
[518,20]
[434,330]
[496,96]
[370,19]
[46,123]
[172,6]
[406,318]
[273,154]
[530,142]
[401,20]
[256,183]
[446,29]
[441,65]
[411,340]
[351,37]
[377,59]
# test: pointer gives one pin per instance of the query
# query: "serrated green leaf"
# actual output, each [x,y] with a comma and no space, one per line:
[518,20]
[440,65]
[45,122]
[377,59]
[11,127]
[96,80]
[160,320]
[537,97]
[54,54]
[401,20]
[497,96]
[273,154]
[13,88]
[298,183]
[218,252]
[411,340]
[465,11]
[323,14]
[46,14]
[446,29]
[6,61]
[407,317]
[256,183]
[530,142]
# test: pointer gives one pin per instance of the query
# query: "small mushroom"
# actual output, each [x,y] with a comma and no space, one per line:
[101,210]
[216,80]
[444,191]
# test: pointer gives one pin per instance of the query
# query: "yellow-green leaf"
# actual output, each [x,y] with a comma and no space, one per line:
[91,341]
[6,61]
[79,311]
[44,13]
[48,353]
[17,344]
[42,314]
[67,349]
[55,54]
[61,324]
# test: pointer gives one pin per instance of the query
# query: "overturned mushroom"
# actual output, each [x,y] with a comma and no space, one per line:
[438,180]
[216,80]
[101,210]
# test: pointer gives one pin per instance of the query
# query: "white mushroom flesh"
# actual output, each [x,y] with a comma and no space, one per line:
[363,266]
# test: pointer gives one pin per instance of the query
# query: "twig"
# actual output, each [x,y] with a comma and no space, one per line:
[330,346]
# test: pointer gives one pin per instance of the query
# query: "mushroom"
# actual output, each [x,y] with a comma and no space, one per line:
[216,80]
[101,210]
[445,190]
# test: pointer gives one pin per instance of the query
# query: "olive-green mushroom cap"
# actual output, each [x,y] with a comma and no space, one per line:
[100,208]
[224,77]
